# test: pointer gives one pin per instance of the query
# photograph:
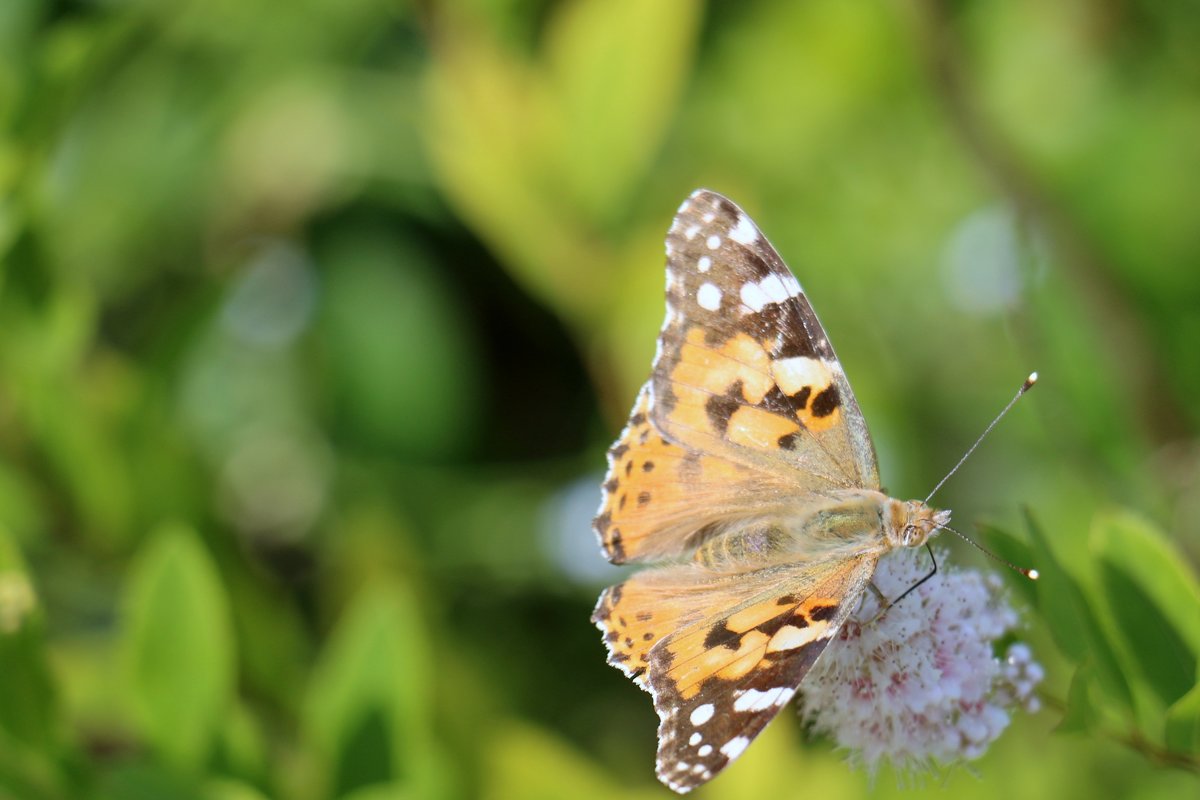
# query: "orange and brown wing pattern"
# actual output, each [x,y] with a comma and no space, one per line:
[722,654]
[658,496]
[744,369]
[637,614]
[717,683]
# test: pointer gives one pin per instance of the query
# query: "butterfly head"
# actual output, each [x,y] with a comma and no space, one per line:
[912,523]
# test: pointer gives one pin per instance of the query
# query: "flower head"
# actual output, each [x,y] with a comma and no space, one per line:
[921,685]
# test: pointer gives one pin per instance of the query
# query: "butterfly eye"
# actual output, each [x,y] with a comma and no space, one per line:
[909,535]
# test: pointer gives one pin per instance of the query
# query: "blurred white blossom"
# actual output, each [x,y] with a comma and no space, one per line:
[922,685]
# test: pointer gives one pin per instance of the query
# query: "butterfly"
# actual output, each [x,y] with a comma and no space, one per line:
[747,477]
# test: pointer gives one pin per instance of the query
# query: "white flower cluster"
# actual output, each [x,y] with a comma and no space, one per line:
[921,685]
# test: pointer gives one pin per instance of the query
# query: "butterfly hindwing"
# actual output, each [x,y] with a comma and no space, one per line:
[722,655]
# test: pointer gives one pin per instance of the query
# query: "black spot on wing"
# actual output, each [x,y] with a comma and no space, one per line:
[720,407]
[777,402]
[756,266]
[727,208]
[616,547]
[821,613]
[826,402]
[721,636]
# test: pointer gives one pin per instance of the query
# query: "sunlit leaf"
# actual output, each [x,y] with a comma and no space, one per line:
[178,645]
[613,60]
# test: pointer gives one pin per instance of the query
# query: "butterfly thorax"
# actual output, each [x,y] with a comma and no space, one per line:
[834,524]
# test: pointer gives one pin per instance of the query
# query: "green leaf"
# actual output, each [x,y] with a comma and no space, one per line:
[1183,723]
[1069,616]
[368,707]
[178,646]
[527,762]
[1014,551]
[28,706]
[1081,714]
[616,70]
[1154,602]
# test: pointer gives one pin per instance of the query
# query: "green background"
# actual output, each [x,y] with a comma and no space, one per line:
[317,317]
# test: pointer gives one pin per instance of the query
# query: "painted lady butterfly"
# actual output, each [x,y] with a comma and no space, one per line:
[747,466]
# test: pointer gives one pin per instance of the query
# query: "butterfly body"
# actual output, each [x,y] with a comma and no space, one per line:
[747,475]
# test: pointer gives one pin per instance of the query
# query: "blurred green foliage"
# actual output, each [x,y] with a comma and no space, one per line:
[316,318]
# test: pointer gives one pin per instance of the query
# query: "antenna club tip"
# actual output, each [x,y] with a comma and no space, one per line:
[1029,382]
[1032,574]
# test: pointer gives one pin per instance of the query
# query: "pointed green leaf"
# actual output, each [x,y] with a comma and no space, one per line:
[368,707]
[1077,632]
[1154,601]
[178,646]
[1183,723]
[1081,715]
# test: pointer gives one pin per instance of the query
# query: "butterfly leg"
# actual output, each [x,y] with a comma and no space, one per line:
[885,604]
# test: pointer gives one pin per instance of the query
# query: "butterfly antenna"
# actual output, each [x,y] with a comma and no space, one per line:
[1025,387]
[1032,574]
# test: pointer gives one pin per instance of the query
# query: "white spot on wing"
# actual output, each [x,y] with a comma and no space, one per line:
[771,289]
[713,242]
[696,738]
[774,289]
[789,637]
[709,297]
[691,232]
[793,374]
[754,700]
[704,264]
[754,297]
[704,750]
[745,232]
[735,747]
[709,217]
[702,714]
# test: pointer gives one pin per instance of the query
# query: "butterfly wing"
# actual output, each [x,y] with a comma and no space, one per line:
[660,496]
[744,369]
[721,655]
[747,405]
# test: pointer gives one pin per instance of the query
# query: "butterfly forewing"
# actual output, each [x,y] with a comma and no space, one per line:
[658,494]
[744,368]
